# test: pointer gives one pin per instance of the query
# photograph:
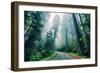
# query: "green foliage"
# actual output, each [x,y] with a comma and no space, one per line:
[86,35]
[81,44]
[34,48]
[32,35]
[49,44]
[37,48]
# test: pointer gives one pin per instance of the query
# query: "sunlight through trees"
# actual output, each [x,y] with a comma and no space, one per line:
[46,33]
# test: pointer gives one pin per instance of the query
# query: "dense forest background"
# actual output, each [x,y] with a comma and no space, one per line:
[56,36]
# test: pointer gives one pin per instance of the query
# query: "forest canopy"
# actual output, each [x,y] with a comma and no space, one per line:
[56,35]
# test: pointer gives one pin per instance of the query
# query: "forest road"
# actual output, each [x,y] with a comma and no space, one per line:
[61,56]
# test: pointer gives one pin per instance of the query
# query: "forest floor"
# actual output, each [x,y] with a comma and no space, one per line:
[64,56]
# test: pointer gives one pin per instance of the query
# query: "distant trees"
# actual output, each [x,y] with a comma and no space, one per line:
[49,44]
[51,36]
[77,29]
[74,34]
[56,22]
[70,34]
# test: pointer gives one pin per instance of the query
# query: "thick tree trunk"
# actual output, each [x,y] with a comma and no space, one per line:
[78,33]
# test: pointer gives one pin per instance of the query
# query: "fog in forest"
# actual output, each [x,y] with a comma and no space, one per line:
[54,35]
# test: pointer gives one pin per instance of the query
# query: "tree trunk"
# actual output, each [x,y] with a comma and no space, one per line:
[78,33]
